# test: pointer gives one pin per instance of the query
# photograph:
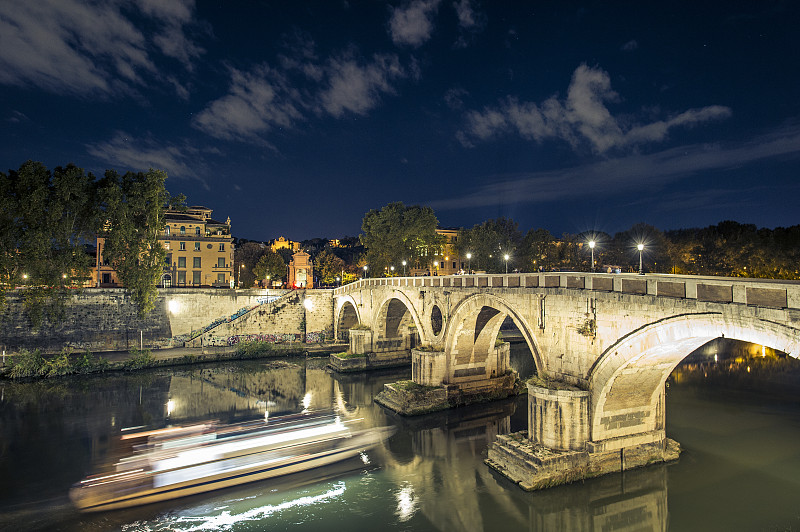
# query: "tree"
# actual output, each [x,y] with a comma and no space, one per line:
[45,221]
[245,259]
[489,241]
[271,266]
[396,233]
[329,267]
[132,210]
[537,250]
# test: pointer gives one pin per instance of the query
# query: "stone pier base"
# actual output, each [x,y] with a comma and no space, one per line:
[533,466]
[411,399]
[369,361]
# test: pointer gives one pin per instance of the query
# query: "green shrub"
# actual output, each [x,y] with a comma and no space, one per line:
[255,349]
[139,360]
[26,364]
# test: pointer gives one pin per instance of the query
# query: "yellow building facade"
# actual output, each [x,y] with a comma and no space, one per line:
[444,261]
[199,252]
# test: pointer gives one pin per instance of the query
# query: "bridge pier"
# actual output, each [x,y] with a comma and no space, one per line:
[367,352]
[557,447]
[435,385]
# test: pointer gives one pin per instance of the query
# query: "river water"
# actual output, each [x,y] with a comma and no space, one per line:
[740,469]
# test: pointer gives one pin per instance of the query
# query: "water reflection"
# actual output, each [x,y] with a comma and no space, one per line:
[429,476]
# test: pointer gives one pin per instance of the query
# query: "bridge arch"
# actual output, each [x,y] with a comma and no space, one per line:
[347,315]
[395,313]
[627,381]
[472,330]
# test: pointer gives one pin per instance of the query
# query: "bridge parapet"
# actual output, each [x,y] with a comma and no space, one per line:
[771,293]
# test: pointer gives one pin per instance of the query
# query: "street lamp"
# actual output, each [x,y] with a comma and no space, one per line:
[469,262]
[592,243]
[239,276]
[506,259]
[640,247]
[435,267]
[365,271]
[404,268]
[391,269]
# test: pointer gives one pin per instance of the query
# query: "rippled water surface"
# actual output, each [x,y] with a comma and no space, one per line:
[740,469]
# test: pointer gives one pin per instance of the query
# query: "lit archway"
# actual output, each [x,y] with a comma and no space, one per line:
[472,331]
[396,315]
[627,381]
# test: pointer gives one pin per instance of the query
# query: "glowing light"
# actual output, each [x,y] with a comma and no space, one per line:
[308,304]
[469,256]
[640,247]
[748,369]
[715,358]
[170,407]
[406,503]
[174,306]
[592,243]
[226,519]
[307,400]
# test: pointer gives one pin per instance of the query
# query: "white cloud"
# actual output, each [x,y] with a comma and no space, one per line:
[265,98]
[467,18]
[412,24]
[257,102]
[69,46]
[357,88]
[634,172]
[630,46]
[124,153]
[582,117]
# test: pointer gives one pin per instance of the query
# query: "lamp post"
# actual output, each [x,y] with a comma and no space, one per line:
[404,268]
[592,243]
[365,271]
[469,262]
[239,276]
[640,247]
[391,269]
[506,259]
[435,267]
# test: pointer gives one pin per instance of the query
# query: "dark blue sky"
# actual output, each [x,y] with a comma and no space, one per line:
[296,118]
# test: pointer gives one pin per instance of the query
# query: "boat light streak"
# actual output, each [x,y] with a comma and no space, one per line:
[227,520]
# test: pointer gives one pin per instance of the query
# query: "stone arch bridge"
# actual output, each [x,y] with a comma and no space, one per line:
[605,343]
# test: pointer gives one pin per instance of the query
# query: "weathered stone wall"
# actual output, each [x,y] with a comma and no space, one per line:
[301,315]
[106,319]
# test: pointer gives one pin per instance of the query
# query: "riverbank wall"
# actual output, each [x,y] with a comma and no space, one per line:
[106,319]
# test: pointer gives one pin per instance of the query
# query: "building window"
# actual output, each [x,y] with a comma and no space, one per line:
[166,230]
[197,246]
[221,262]
[181,262]
[168,261]
[221,278]
[181,278]
[183,246]
[196,231]
[196,263]
[183,229]
[166,245]
[222,246]
[196,278]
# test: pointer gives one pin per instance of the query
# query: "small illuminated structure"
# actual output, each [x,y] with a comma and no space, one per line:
[592,243]
[506,259]
[301,271]
[640,247]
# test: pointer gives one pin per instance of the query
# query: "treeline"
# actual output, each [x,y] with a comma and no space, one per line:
[727,249]
[396,233]
[49,221]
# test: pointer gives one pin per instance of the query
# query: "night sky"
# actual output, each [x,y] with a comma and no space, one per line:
[295,118]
